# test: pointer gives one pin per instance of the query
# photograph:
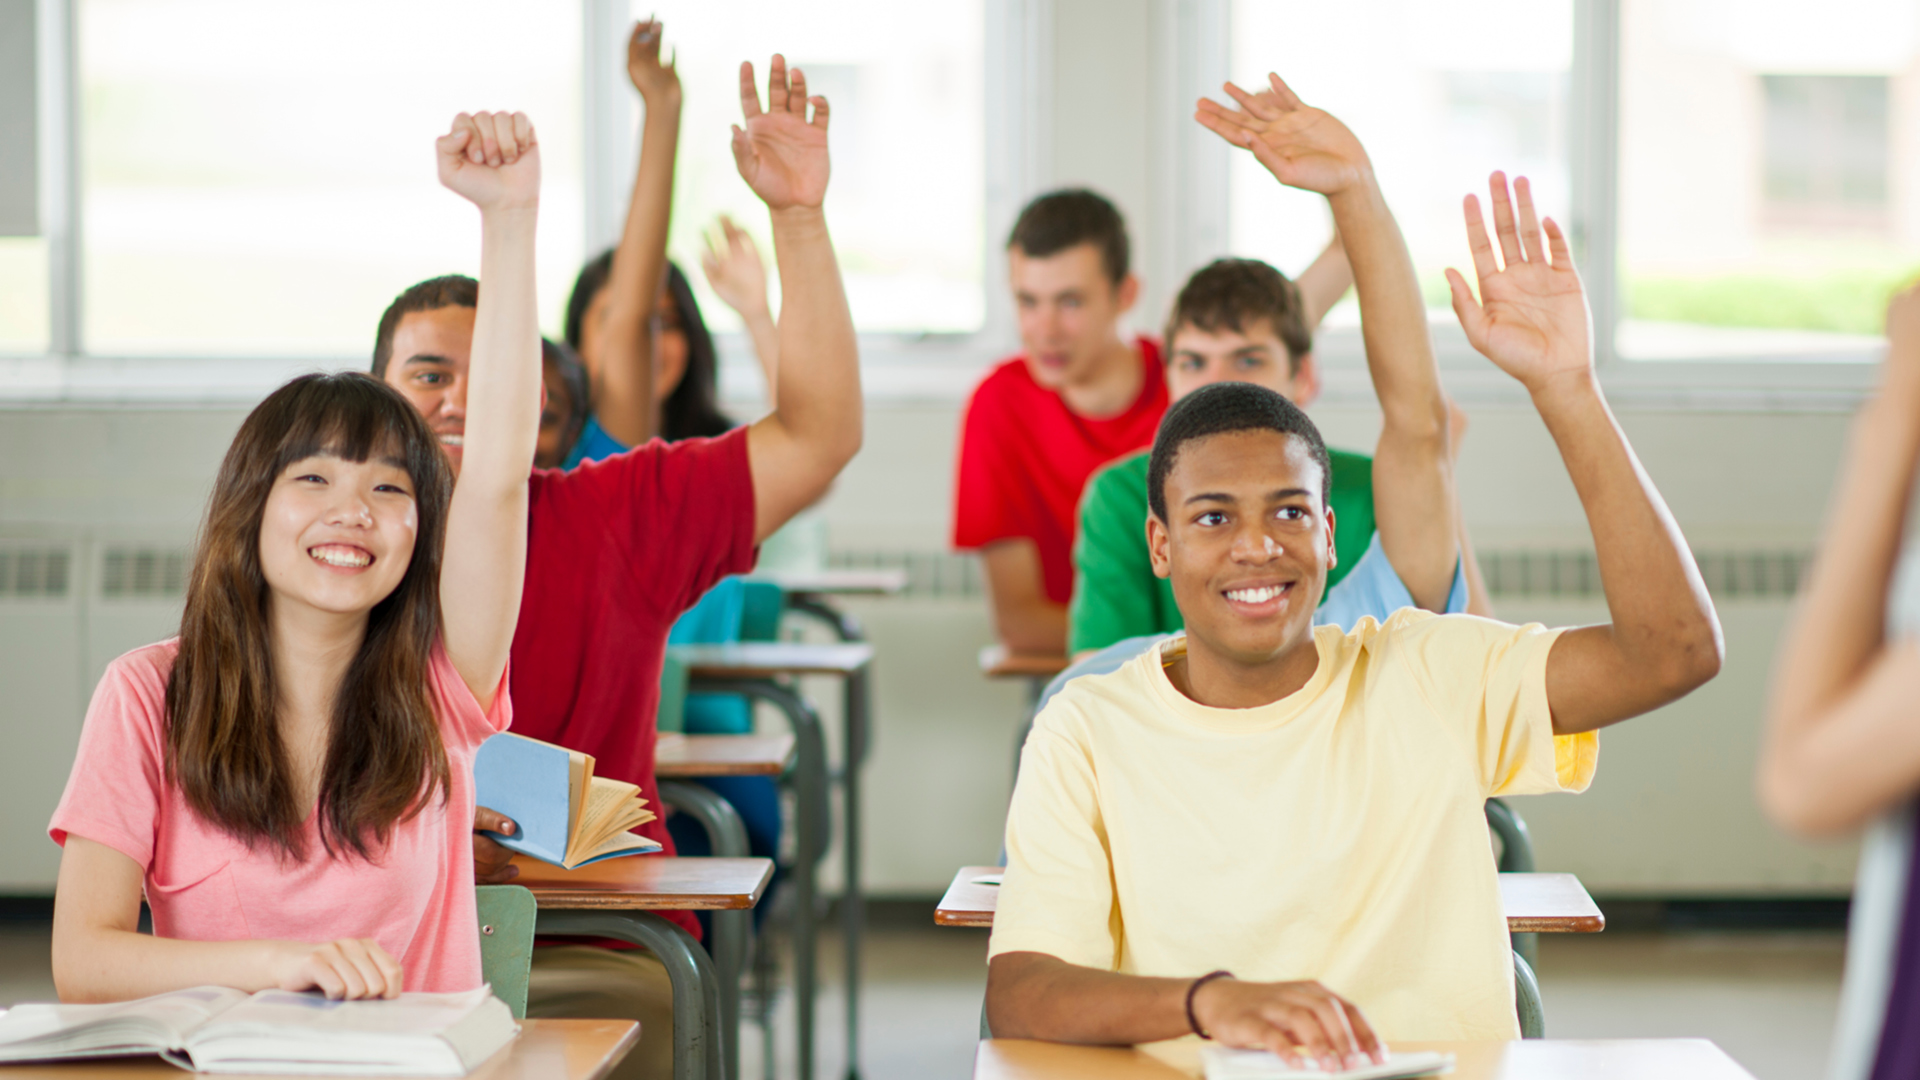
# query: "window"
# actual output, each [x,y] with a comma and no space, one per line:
[1760,215]
[1443,95]
[258,179]
[23,294]
[907,199]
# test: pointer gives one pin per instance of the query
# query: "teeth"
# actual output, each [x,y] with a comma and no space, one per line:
[453,440]
[1254,596]
[340,556]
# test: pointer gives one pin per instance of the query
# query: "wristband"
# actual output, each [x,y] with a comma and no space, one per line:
[1192,1021]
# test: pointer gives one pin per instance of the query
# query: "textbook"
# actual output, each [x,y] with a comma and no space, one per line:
[213,1029]
[1224,1063]
[565,815]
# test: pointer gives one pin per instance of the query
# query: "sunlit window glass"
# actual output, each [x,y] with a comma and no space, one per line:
[1441,95]
[23,294]
[1762,210]
[906,202]
[258,179]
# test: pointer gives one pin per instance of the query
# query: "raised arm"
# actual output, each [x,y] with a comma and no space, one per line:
[796,450]
[493,161]
[622,366]
[1307,148]
[1841,743]
[1531,320]
[1325,280]
[733,267]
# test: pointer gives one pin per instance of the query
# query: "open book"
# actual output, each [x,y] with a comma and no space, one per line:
[566,815]
[216,1030]
[1225,1063]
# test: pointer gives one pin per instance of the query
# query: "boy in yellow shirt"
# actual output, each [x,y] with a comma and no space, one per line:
[1300,806]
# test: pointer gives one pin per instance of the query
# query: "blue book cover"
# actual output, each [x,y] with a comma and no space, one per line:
[565,814]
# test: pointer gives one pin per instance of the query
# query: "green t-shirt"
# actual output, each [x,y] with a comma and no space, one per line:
[1115,593]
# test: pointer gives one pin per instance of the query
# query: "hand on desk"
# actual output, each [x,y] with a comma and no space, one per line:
[490,860]
[346,969]
[1303,1022]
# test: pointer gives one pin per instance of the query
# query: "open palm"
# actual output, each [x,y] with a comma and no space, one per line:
[1531,318]
[1301,146]
[781,154]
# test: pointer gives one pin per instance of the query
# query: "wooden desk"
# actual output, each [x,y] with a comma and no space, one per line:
[845,581]
[997,663]
[684,757]
[1534,903]
[618,899]
[1522,1059]
[545,1050]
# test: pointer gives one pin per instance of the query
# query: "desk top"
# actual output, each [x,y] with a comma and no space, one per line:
[1534,903]
[545,1050]
[1522,1059]
[768,659]
[872,581]
[677,756]
[647,883]
[997,663]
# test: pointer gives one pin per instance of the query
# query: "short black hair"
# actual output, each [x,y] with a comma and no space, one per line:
[1068,218]
[448,290]
[1221,409]
[1227,294]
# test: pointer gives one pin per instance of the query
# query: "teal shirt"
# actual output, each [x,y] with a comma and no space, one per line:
[1115,593]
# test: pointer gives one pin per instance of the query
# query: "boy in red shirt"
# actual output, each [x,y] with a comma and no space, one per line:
[1078,397]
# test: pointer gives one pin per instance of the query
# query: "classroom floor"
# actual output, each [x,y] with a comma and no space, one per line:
[1767,998]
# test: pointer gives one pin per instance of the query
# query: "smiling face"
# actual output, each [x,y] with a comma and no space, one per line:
[1069,312]
[431,350]
[1247,544]
[336,536]
[1253,354]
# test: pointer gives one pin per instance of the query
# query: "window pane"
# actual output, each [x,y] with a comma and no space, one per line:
[1441,95]
[1759,212]
[259,178]
[908,192]
[23,294]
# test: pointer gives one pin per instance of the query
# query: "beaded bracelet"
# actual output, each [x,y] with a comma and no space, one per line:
[1203,980]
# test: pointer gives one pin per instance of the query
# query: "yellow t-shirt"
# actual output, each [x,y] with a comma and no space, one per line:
[1337,834]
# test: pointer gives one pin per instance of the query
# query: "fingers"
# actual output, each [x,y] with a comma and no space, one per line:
[1288,99]
[1503,218]
[389,968]
[820,112]
[509,145]
[1252,105]
[777,85]
[743,156]
[797,92]
[1483,262]
[364,974]
[749,97]
[1228,125]
[1465,307]
[523,131]
[1529,223]
[1343,1052]
[1363,1034]
[454,143]
[1557,244]
[485,820]
[644,43]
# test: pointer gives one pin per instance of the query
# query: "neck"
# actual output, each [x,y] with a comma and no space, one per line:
[312,650]
[1108,386]
[1218,680]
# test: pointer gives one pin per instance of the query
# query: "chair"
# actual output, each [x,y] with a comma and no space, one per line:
[506,917]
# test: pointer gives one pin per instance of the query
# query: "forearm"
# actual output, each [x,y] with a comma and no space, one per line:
[1325,281]
[1036,996]
[96,964]
[817,381]
[1035,626]
[503,416]
[623,372]
[1664,638]
[766,349]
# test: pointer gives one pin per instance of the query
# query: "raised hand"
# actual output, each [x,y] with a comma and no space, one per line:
[781,154]
[1531,318]
[658,83]
[734,269]
[492,160]
[1301,146]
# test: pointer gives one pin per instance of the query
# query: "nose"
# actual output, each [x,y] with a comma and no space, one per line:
[454,403]
[1252,545]
[350,510]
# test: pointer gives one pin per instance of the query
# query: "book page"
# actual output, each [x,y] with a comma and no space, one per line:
[607,800]
[1226,1063]
[150,1024]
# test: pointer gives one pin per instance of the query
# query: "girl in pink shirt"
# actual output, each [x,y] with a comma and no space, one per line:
[290,780]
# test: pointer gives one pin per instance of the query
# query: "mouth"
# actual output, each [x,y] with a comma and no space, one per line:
[1053,360]
[341,556]
[453,440]
[1258,601]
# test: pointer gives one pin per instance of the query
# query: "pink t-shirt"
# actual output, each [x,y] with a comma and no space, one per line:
[415,899]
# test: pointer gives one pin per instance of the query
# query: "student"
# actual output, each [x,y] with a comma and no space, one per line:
[1078,397]
[567,405]
[1302,805]
[1841,750]
[289,781]
[617,549]
[1242,320]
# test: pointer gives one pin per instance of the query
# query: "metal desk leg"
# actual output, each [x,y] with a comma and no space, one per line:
[853,899]
[812,812]
[731,929]
[697,1053]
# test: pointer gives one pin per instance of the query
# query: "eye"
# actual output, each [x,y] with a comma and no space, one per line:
[1211,517]
[1251,361]
[393,489]
[1189,362]
[1293,513]
[429,378]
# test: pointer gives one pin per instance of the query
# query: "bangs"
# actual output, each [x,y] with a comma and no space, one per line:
[356,418]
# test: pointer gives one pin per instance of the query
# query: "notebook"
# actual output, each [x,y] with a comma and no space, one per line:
[566,815]
[213,1029]
[1225,1063]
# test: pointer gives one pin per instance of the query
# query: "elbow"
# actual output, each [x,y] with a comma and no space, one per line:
[1690,658]
[1008,1016]
[1797,803]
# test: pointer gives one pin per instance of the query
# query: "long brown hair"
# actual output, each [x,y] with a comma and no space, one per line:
[385,760]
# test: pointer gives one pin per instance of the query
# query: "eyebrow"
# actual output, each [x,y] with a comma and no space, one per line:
[1223,497]
[425,358]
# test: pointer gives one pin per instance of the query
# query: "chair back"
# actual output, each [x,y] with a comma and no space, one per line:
[507,914]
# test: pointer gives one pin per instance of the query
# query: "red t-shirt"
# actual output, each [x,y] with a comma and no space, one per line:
[1024,456]
[616,550]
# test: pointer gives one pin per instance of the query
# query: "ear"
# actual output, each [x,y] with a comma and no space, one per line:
[1333,551]
[1127,293]
[1158,546]
[1306,381]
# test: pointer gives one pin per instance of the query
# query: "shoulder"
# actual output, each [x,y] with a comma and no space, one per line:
[1004,383]
[1150,349]
[144,671]
[1125,476]
[644,469]
[1118,686]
